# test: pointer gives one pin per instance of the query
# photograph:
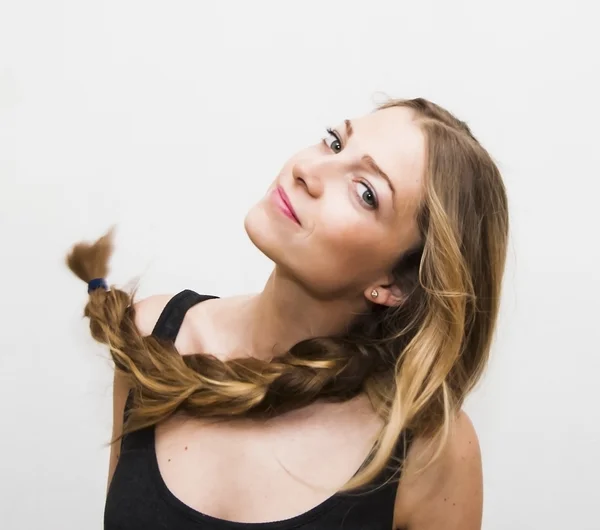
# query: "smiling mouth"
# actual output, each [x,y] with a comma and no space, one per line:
[283,201]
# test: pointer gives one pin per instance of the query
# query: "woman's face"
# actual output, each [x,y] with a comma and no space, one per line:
[342,211]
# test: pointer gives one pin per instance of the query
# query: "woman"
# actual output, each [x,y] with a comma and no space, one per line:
[296,407]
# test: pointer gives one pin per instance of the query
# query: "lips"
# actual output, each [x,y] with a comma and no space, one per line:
[287,204]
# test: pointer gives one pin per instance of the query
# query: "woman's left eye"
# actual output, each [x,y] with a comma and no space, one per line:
[336,144]
[366,195]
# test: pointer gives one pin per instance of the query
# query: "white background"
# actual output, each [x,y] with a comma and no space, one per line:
[171,118]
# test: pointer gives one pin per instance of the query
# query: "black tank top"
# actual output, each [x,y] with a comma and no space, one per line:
[139,499]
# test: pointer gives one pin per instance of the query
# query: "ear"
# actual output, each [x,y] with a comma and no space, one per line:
[384,294]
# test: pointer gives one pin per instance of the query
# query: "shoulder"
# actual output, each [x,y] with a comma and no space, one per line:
[148,310]
[449,493]
[189,339]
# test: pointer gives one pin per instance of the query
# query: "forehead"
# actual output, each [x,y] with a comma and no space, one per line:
[395,141]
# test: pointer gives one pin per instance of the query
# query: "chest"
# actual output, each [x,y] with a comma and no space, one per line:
[256,471]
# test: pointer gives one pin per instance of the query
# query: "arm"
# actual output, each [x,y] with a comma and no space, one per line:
[449,494]
[147,312]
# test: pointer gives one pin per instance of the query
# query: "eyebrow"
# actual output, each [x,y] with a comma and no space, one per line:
[369,161]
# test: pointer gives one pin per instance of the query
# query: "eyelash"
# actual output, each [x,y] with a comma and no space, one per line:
[337,136]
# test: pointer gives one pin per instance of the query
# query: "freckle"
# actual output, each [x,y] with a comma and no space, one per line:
[186,447]
[445,499]
[453,504]
[169,459]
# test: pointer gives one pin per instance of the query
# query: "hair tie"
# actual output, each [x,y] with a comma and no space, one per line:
[97,283]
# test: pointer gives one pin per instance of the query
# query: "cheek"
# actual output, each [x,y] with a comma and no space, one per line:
[351,242]
[343,236]
[338,223]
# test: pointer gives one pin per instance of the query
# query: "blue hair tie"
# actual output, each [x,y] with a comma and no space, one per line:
[97,283]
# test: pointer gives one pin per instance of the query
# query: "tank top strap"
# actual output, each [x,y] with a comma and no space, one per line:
[169,322]
[167,327]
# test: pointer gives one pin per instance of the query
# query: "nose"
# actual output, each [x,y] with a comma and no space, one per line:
[309,174]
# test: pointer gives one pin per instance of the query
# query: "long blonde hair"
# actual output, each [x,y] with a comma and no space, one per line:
[416,362]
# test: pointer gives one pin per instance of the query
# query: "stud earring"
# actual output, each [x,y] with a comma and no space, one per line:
[374,293]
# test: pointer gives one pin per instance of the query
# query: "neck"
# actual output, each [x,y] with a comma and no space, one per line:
[285,313]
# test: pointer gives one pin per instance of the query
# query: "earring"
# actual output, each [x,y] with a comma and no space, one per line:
[374,293]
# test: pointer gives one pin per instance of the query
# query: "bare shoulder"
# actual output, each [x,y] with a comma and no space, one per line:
[448,494]
[148,310]
[192,333]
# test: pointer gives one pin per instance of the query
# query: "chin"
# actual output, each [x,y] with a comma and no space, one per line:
[265,235]
[270,237]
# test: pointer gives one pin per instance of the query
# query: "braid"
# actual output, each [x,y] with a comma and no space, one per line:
[164,382]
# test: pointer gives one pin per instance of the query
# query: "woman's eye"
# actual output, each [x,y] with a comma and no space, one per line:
[333,141]
[366,195]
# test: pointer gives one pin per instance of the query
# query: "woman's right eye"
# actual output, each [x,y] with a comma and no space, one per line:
[333,141]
